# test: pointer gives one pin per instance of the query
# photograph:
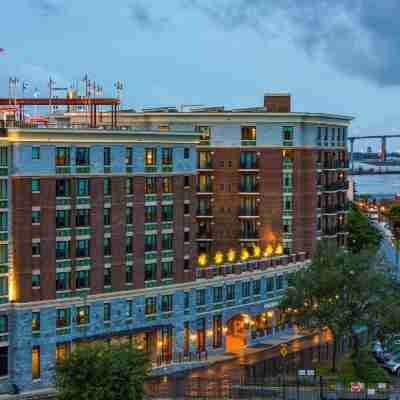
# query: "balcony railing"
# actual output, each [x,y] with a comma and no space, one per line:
[330,231]
[248,212]
[204,212]
[248,164]
[249,188]
[204,235]
[340,185]
[335,164]
[205,188]
[248,235]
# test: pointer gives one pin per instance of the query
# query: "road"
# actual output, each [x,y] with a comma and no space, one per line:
[387,249]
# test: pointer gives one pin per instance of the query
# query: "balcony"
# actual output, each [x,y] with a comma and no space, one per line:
[204,212]
[335,164]
[249,189]
[252,165]
[248,212]
[205,189]
[335,186]
[329,209]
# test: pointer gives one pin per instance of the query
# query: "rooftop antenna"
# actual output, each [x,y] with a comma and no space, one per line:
[12,89]
[119,85]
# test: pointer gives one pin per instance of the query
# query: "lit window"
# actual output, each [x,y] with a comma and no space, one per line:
[62,156]
[166,156]
[63,318]
[82,315]
[36,362]
[167,184]
[248,133]
[36,321]
[150,158]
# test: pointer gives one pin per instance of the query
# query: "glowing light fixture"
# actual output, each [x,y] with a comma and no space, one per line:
[256,251]
[202,260]
[219,258]
[270,314]
[269,251]
[279,250]
[244,255]
[231,255]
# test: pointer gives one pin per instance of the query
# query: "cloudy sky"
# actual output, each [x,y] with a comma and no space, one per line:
[336,56]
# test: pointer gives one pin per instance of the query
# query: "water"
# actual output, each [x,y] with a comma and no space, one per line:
[377,185]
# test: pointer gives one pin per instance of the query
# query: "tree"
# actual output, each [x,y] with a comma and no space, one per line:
[340,291]
[102,372]
[362,235]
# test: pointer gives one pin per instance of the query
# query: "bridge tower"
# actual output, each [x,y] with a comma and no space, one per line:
[383,149]
[351,139]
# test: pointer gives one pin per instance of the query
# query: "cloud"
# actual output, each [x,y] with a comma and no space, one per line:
[358,37]
[144,18]
[47,8]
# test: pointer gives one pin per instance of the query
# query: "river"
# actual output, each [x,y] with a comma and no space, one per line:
[377,185]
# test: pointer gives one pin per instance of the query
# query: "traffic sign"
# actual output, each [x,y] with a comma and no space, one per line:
[284,350]
[356,387]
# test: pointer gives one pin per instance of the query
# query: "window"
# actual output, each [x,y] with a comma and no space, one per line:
[3,324]
[63,318]
[186,236]
[167,184]
[186,264]
[150,185]
[35,185]
[248,133]
[129,245]
[166,270]
[63,218]
[82,315]
[248,160]
[82,248]
[35,281]
[3,156]
[3,253]
[107,216]
[217,331]
[186,181]
[107,246]
[62,349]
[167,241]
[107,187]
[62,156]
[186,300]
[35,217]
[205,133]
[150,243]
[150,305]
[279,282]
[256,287]
[167,303]
[150,272]
[217,294]
[167,213]
[107,156]
[3,286]
[35,362]
[166,156]
[82,156]
[63,281]
[82,279]
[82,217]
[150,214]
[129,309]
[36,321]
[128,156]
[186,153]
[4,188]
[245,289]
[107,312]
[107,276]
[288,134]
[150,157]
[36,249]
[129,215]
[63,250]
[82,187]
[200,297]
[186,209]
[129,186]
[63,187]
[128,274]
[270,284]
[230,292]
[35,153]
[4,361]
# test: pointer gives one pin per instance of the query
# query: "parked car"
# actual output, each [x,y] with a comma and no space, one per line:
[393,364]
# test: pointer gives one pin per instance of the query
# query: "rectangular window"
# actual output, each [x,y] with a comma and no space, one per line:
[249,133]
[167,303]
[36,249]
[82,217]
[150,242]
[129,186]
[150,305]
[150,214]
[186,181]
[35,153]
[217,331]
[186,153]
[82,156]
[279,282]
[166,270]
[3,156]
[82,279]
[107,275]
[82,248]
[107,216]
[245,289]
[230,292]
[63,281]
[35,281]
[186,264]
[35,363]
[107,246]
[200,297]
[4,361]
[128,156]
[150,185]
[129,244]
[107,156]
[35,321]
[82,315]
[129,215]
[63,187]
[270,284]
[3,253]
[167,241]
[63,219]
[248,160]
[107,312]
[150,157]
[150,272]
[35,217]
[186,300]
[167,213]
[256,287]
[63,250]
[63,156]
[217,294]
[107,187]
[3,286]
[83,188]
[3,324]
[167,184]
[129,309]
[63,318]
[186,237]
[35,186]
[3,189]
[288,133]
[128,274]
[186,209]
[166,156]
[62,350]
[205,133]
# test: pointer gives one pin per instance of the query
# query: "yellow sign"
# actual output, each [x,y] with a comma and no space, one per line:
[284,350]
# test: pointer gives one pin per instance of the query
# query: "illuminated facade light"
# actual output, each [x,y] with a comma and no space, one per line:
[219,258]
[244,255]
[202,260]
[231,255]
[256,252]
[279,250]
[269,251]
[270,314]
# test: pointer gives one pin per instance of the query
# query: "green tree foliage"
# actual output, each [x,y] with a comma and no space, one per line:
[102,372]
[362,235]
[340,291]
